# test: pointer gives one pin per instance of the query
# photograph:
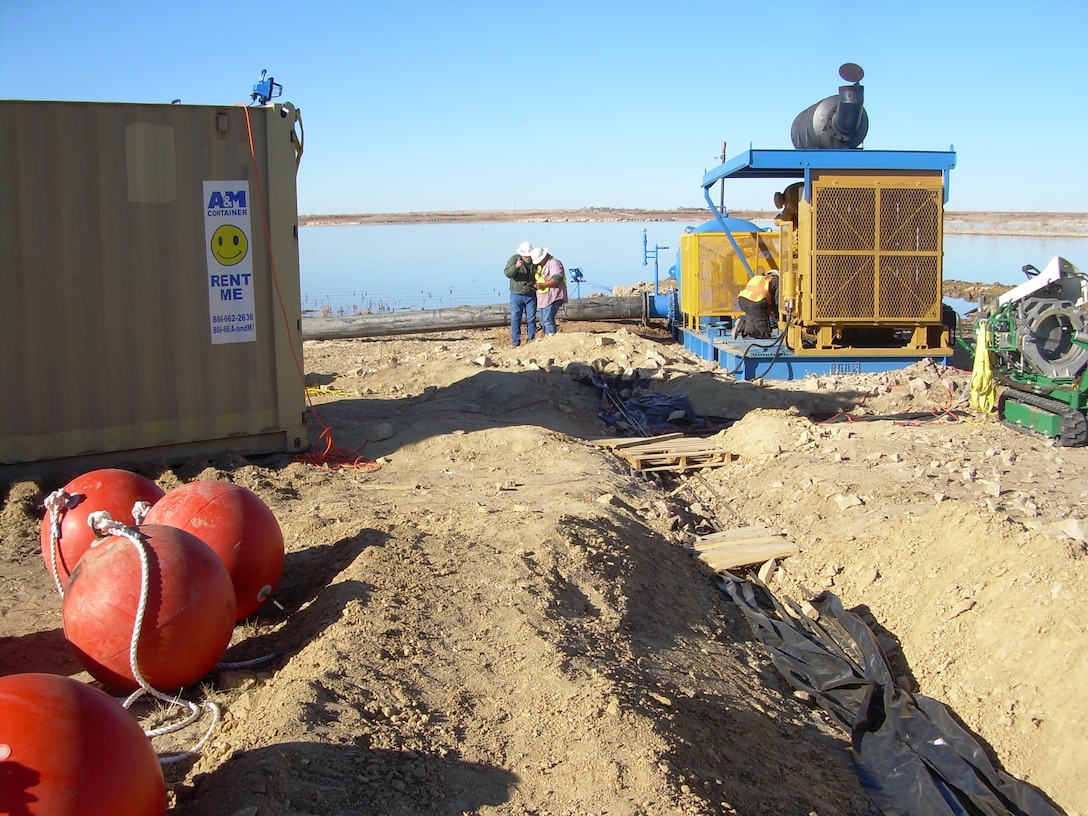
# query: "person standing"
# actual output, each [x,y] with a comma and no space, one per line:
[551,287]
[519,269]
[759,301]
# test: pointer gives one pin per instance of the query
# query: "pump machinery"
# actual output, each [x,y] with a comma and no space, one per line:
[857,244]
[1035,337]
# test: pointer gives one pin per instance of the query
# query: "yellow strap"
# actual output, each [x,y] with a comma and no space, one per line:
[983,388]
[325,391]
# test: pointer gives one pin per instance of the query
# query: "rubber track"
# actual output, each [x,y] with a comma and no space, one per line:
[1074,425]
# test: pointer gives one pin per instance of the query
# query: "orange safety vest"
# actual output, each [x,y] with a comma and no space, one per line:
[758,288]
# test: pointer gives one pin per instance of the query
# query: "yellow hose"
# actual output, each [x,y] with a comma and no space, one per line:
[983,388]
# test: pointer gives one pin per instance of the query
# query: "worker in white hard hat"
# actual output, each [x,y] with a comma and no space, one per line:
[519,269]
[551,287]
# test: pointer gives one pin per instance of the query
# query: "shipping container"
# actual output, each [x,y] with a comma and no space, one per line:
[149,284]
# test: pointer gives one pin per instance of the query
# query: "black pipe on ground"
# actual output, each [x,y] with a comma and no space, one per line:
[631,307]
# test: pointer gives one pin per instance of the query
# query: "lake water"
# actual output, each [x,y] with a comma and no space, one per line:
[430,266]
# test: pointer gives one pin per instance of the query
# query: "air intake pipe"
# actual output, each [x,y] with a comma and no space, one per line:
[837,122]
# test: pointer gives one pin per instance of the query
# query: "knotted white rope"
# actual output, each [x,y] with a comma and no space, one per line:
[104,525]
[57,504]
[60,502]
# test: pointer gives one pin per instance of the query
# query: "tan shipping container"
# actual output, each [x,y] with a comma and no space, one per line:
[128,333]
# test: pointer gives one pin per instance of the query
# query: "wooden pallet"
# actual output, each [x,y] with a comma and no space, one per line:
[673,451]
[742,547]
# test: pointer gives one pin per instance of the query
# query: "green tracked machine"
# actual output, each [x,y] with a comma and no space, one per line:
[1036,336]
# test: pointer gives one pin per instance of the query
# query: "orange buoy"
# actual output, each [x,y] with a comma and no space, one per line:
[69,749]
[188,618]
[109,489]
[239,526]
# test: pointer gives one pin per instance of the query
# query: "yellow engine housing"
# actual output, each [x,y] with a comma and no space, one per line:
[712,274]
[863,268]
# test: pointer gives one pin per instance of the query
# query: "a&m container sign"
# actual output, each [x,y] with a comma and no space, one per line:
[230,262]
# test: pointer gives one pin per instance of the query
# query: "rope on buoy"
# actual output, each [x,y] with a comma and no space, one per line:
[139,511]
[246,664]
[57,504]
[103,524]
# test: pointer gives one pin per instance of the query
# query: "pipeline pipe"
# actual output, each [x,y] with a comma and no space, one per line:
[631,307]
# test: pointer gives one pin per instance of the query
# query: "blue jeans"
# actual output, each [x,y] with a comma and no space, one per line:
[522,305]
[547,317]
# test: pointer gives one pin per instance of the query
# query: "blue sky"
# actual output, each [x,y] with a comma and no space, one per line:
[419,106]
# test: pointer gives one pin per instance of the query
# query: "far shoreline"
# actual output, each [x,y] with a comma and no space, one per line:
[1026,224]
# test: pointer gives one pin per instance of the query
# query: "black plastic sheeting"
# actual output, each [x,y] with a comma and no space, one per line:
[912,758]
[654,414]
[634,410]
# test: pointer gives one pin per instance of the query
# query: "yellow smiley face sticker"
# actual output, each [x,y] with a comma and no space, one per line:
[229,245]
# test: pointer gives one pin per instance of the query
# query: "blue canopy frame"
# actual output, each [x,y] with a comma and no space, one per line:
[763,164]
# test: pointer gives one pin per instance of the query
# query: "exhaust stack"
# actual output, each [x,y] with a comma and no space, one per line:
[837,122]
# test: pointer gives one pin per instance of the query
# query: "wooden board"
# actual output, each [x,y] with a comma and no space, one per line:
[711,540]
[674,451]
[616,442]
[680,463]
[743,546]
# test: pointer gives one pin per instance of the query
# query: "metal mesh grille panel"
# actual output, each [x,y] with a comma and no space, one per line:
[876,254]
[713,274]
[847,220]
[909,221]
[909,287]
[716,286]
[845,286]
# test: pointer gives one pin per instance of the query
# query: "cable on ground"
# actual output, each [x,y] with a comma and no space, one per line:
[330,456]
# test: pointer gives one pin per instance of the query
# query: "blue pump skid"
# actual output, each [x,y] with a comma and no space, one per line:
[748,359]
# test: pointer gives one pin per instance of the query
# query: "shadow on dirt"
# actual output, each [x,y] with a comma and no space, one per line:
[311,777]
[45,651]
[310,598]
[551,399]
[670,602]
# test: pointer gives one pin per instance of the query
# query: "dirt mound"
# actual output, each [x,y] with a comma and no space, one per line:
[506,619]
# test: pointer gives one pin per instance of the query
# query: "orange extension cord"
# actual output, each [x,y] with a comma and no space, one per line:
[944,414]
[330,456]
